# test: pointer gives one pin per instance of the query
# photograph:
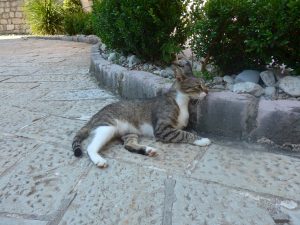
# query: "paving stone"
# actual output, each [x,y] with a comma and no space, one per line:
[17,86]
[52,129]
[74,95]
[211,204]
[64,70]
[70,85]
[43,77]
[15,221]
[177,158]
[41,182]
[85,109]
[13,119]
[18,71]
[13,149]
[2,78]
[117,195]
[57,108]
[267,173]
[278,121]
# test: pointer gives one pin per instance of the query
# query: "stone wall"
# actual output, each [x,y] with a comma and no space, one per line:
[12,17]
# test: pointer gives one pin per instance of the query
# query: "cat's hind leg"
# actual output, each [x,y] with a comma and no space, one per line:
[131,144]
[103,135]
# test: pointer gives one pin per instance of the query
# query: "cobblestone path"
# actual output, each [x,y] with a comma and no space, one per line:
[47,94]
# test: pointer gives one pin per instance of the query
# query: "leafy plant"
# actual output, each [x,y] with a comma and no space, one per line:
[78,23]
[44,16]
[72,6]
[239,34]
[153,29]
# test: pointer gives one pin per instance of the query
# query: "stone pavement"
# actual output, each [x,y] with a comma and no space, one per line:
[47,94]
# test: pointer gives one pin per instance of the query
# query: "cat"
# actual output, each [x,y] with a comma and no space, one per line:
[162,117]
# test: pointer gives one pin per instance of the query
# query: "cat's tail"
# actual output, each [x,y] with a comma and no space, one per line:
[82,134]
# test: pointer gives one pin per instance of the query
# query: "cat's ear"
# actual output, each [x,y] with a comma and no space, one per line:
[183,68]
[178,72]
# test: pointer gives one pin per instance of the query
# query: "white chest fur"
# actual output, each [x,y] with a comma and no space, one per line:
[183,117]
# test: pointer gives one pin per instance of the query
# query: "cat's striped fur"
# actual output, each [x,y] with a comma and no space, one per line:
[162,117]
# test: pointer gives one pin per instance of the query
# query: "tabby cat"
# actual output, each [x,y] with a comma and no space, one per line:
[161,117]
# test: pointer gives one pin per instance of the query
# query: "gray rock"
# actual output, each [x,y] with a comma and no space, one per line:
[268,78]
[151,67]
[146,67]
[133,60]
[248,87]
[112,57]
[156,72]
[105,56]
[197,66]
[167,73]
[290,85]
[248,76]
[219,86]
[122,59]
[103,47]
[229,87]
[270,92]
[228,79]
[217,80]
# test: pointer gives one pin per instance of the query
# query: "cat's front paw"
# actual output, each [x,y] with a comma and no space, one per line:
[202,142]
[151,151]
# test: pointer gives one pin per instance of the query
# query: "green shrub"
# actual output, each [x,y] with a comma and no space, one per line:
[144,28]
[44,16]
[78,23]
[274,31]
[72,6]
[239,34]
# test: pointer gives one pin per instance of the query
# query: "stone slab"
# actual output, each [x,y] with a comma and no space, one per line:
[52,129]
[41,182]
[224,113]
[18,86]
[140,84]
[198,202]
[117,195]
[261,172]
[13,119]
[171,158]
[14,149]
[85,109]
[18,221]
[42,77]
[74,95]
[17,71]
[278,121]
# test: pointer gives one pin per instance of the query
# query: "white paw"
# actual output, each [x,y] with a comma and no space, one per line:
[151,151]
[202,142]
[99,161]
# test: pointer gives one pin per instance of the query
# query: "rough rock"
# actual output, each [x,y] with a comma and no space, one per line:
[268,78]
[223,113]
[278,121]
[228,79]
[112,57]
[248,87]
[219,86]
[290,85]
[270,92]
[122,59]
[248,76]
[133,60]
[167,73]
[217,80]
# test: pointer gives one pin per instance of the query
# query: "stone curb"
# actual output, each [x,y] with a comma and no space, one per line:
[228,114]
[89,39]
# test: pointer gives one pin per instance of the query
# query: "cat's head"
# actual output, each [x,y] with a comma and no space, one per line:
[186,82]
